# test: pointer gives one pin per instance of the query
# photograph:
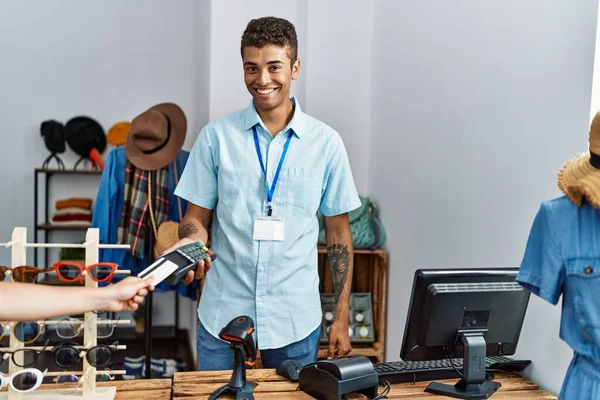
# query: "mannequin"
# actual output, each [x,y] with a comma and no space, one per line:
[562,258]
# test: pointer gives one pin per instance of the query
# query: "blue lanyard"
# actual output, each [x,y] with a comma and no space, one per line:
[271,191]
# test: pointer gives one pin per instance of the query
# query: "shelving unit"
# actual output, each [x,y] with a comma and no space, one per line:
[369,276]
[43,225]
[171,337]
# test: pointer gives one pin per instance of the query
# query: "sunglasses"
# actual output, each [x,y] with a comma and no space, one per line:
[23,357]
[67,382]
[69,271]
[23,273]
[66,355]
[25,331]
[69,328]
[23,381]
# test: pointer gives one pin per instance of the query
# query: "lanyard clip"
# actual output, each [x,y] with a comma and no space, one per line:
[269,209]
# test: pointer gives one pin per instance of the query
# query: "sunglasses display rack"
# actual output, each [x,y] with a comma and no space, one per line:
[87,388]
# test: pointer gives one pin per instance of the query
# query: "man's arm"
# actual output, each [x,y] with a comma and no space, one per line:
[340,255]
[195,223]
[194,227]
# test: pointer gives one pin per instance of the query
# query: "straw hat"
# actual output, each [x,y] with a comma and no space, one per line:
[580,177]
[156,136]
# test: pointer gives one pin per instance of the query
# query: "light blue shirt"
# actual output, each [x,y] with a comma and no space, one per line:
[562,259]
[274,282]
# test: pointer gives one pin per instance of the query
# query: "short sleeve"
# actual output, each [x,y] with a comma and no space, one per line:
[542,269]
[198,183]
[339,191]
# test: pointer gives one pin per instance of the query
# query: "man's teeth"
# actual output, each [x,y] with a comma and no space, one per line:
[265,91]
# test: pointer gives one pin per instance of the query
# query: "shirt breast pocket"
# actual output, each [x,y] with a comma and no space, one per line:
[304,189]
[583,288]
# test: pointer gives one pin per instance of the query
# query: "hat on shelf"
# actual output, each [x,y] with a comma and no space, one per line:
[580,176]
[117,134]
[53,133]
[84,134]
[156,136]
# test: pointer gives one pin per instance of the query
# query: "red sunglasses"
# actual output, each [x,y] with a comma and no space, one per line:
[69,271]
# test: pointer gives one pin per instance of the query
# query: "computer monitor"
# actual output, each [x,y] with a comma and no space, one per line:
[464,313]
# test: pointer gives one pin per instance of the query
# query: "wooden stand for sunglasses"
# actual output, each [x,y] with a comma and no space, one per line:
[87,390]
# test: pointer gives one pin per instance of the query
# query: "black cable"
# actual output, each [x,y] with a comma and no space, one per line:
[385,391]
[381,395]
[447,353]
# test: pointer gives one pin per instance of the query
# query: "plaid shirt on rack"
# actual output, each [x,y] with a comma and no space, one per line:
[135,216]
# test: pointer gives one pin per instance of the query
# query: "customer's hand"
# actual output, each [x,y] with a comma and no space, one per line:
[339,339]
[202,267]
[125,295]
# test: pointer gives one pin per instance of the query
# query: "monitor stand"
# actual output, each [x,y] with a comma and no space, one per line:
[473,384]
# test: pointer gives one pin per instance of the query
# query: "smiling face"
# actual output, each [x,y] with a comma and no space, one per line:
[268,74]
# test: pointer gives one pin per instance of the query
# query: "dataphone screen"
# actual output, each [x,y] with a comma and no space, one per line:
[178,259]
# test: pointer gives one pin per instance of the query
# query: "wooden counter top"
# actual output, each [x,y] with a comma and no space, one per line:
[199,385]
[135,389]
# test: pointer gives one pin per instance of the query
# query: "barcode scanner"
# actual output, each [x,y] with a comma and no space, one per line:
[238,332]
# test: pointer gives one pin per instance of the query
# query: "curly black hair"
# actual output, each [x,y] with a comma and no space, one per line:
[271,30]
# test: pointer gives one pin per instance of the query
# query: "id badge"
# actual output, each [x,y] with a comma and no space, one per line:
[268,228]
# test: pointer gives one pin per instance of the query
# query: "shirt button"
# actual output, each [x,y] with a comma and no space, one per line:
[259,299]
[261,269]
[588,270]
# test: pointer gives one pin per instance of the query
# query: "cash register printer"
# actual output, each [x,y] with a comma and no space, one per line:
[333,379]
[460,323]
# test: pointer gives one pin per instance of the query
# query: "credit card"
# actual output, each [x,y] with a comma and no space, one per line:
[159,270]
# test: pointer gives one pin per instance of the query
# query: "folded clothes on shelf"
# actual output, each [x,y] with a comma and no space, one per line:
[74,202]
[135,368]
[73,211]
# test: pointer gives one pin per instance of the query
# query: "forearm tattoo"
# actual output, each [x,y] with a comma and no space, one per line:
[187,230]
[339,263]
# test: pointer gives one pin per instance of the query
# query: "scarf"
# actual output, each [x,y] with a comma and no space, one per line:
[136,211]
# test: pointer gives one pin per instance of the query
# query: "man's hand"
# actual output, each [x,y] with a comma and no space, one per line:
[339,339]
[127,294]
[202,267]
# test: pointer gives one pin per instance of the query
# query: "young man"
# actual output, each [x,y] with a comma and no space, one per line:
[259,176]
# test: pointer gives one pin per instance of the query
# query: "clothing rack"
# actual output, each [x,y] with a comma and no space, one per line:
[18,246]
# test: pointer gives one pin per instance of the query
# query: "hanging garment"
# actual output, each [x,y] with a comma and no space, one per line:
[108,213]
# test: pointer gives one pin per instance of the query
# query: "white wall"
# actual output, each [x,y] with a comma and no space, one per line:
[475,107]
[338,75]
[595,106]
[201,69]
[109,60]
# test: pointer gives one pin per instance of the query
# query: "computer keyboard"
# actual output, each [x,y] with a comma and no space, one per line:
[418,371]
